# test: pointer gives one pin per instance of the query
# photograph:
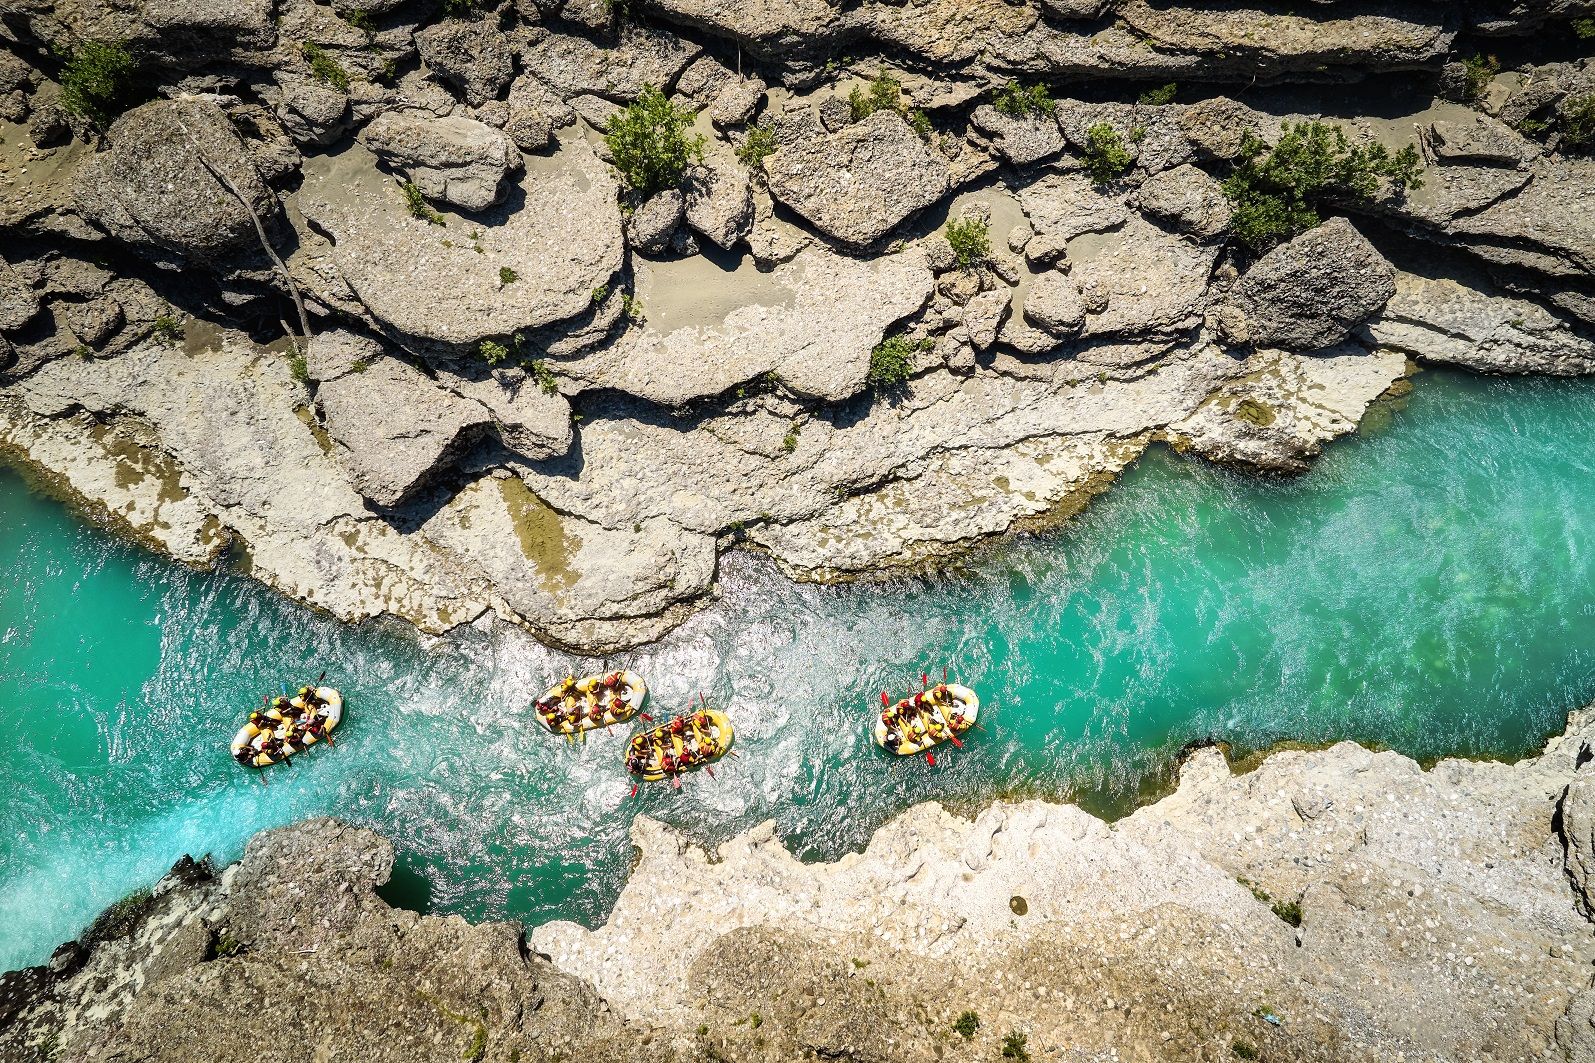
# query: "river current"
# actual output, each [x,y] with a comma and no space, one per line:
[1429,586]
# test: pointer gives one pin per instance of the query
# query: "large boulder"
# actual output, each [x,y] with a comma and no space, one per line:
[859,183]
[391,424]
[151,187]
[452,160]
[1312,291]
[1054,305]
[18,301]
[1139,281]
[574,66]
[1020,141]
[531,262]
[473,56]
[651,225]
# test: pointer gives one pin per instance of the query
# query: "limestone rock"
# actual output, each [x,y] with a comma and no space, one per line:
[471,55]
[1578,839]
[1053,305]
[642,56]
[312,113]
[736,102]
[1441,320]
[651,225]
[1140,281]
[826,313]
[392,425]
[1020,141]
[561,237]
[1063,207]
[96,321]
[534,114]
[451,160]
[984,314]
[151,189]
[1187,200]
[530,419]
[18,301]
[859,183]
[720,202]
[1311,292]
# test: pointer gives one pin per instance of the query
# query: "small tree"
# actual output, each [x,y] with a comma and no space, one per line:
[970,239]
[1477,74]
[757,146]
[966,1025]
[96,80]
[1106,158]
[885,93]
[652,143]
[1017,102]
[891,363]
[1158,97]
[1276,192]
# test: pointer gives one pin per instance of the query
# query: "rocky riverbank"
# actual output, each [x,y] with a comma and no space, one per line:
[354,298]
[1330,905]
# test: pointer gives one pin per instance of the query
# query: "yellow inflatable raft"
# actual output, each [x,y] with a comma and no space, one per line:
[574,705]
[287,726]
[691,741]
[925,720]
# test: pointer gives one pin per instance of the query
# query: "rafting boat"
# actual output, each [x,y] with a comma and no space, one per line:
[927,719]
[691,741]
[286,727]
[574,705]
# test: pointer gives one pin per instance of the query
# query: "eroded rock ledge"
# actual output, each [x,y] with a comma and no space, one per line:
[533,393]
[1442,915]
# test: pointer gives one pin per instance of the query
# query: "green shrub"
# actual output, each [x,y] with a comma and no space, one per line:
[1584,28]
[970,239]
[418,206]
[298,368]
[542,376]
[493,353]
[631,307]
[1276,192]
[227,946]
[600,293]
[1017,102]
[1578,123]
[757,146]
[1477,74]
[1013,1047]
[652,143]
[966,1025]
[1161,95]
[1106,158]
[507,275]
[323,67]
[885,93]
[1243,1049]
[891,363]
[167,329]
[1287,911]
[362,20]
[789,442]
[96,81]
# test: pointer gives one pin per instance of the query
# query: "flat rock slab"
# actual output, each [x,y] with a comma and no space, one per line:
[859,183]
[824,314]
[454,160]
[1140,280]
[559,231]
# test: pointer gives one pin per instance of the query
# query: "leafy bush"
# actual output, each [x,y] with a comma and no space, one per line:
[1161,95]
[1017,102]
[418,207]
[1276,192]
[789,441]
[1106,158]
[1013,1047]
[966,1025]
[507,275]
[652,143]
[1243,1049]
[362,20]
[891,363]
[493,353]
[1584,28]
[96,81]
[970,239]
[1477,74]
[167,329]
[1578,123]
[542,376]
[323,67]
[757,146]
[885,93]
[299,367]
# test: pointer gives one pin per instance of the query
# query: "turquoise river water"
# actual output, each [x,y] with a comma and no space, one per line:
[1429,586]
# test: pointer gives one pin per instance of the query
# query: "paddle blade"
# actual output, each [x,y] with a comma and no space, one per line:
[645,716]
[924,680]
[930,758]
[955,741]
[885,701]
